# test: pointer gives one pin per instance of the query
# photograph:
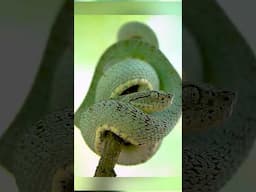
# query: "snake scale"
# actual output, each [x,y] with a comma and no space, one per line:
[38,146]
[211,157]
[135,94]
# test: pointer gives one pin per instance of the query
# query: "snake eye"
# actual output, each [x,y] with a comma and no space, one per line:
[190,94]
[154,94]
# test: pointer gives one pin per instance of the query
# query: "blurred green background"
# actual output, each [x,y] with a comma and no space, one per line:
[93,35]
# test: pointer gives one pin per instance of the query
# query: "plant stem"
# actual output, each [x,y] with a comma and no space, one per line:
[109,157]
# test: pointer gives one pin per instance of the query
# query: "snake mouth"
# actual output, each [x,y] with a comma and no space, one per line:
[63,180]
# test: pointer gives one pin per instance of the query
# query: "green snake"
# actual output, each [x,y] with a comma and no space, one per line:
[204,106]
[135,93]
[211,157]
[38,146]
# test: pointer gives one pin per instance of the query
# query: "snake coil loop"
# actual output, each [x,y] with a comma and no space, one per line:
[38,146]
[211,157]
[135,94]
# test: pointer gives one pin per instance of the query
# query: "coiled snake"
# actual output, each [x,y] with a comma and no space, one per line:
[38,146]
[211,157]
[130,95]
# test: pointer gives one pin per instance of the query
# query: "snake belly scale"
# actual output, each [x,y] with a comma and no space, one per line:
[130,65]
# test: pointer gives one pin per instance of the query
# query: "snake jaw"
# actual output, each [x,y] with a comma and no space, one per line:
[155,101]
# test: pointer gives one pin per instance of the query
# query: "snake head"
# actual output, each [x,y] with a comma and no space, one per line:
[149,101]
[205,106]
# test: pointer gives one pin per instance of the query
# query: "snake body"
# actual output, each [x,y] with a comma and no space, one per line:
[37,148]
[131,65]
[41,153]
[211,157]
